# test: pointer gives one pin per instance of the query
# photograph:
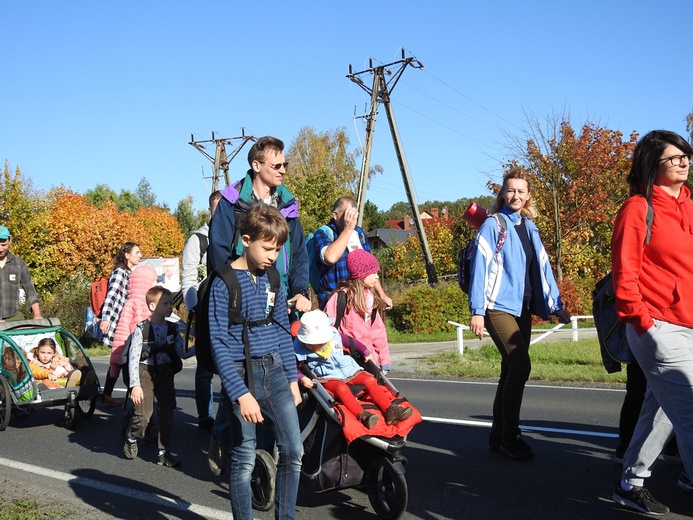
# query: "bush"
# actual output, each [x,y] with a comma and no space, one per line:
[69,302]
[425,310]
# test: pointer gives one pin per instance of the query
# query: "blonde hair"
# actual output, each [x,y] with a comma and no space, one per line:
[356,297]
[529,210]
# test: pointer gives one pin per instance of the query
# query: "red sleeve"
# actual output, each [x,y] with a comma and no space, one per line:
[627,247]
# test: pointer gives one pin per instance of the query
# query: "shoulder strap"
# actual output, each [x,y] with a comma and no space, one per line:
[503,231]
[204,242]
[341,307]
[649,219]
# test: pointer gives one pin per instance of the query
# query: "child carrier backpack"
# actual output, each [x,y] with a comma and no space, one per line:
[97,295]
[314,261]
[200,314]
[465,260]
[610,331]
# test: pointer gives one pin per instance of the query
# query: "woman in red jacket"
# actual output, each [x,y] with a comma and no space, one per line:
[653,282]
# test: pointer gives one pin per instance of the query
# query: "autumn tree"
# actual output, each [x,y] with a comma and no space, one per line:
[322,169]
[579,187]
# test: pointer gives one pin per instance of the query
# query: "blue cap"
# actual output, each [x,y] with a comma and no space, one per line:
[4,233]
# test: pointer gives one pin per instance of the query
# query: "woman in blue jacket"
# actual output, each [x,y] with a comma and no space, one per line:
[511,279]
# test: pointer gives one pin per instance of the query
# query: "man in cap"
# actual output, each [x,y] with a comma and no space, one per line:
[13,275]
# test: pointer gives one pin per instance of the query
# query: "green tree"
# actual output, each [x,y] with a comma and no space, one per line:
[128,201]
[100,194]
[372,218]
[145,193]
[689,125]
[185,216]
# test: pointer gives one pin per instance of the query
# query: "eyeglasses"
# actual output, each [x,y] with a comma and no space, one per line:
[676,160]
[277,166]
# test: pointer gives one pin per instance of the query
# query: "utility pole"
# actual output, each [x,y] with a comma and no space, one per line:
[380,93]
[221,159]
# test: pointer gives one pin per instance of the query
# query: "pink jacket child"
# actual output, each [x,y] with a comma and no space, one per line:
[362,303]
[135,310]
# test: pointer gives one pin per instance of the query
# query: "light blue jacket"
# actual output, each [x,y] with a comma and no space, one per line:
[498,281]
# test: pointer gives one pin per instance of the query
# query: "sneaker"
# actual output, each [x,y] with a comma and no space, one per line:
[396,413]
[685,482]
[74,378]
[168,460]
[517,449]
[639,499]
[130,449]
[110,401]
[205,424]
[217,456]
[368,419]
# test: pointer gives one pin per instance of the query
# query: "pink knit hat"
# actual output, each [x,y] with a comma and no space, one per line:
[360,263]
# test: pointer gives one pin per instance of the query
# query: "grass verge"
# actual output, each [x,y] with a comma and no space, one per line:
[551,361]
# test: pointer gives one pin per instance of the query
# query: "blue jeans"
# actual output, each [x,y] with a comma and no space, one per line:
[665,354]
[276,402]
[204,393]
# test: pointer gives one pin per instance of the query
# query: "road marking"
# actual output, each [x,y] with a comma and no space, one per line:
[495,383]
[487,424]
[153,498]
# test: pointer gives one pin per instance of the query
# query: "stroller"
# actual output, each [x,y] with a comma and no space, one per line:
[340,453]
[19,389]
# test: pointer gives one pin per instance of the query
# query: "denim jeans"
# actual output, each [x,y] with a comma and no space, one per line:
[276,403]
[204,393]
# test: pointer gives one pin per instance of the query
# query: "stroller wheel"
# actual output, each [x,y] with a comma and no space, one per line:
[70,416]
[86,407]
[262,481]
[386,488]
[5,403]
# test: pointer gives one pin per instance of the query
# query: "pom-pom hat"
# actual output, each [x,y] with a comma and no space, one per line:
[360,263]
[315,328]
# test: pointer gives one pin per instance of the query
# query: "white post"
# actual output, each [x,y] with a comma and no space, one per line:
[574,325]
[460,336]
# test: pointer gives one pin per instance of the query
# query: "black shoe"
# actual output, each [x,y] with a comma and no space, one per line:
[517,449]
[639,499]
[494,443]
[205,424]
[168,460]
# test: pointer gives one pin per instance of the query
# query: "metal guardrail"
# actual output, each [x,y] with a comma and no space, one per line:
[545,333]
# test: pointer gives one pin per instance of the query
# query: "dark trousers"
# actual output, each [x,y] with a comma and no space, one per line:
[156,381]
[511,336]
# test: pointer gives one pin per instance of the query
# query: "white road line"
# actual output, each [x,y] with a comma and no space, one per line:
[487,424]
[495,383]
[152,498]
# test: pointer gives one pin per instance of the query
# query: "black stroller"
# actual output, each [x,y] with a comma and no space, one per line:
[373,463]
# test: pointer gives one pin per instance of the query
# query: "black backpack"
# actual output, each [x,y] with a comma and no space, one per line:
[145,328]
[465,260]
[200,314]
[611,332]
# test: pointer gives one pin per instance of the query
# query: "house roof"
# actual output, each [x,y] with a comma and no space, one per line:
[391,237]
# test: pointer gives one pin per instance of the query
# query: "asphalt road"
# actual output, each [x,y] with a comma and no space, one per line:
[450,473]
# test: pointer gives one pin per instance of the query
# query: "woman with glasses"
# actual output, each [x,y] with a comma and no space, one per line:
[653,283]
[511,279]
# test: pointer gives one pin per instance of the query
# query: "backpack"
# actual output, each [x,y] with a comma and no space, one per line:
[97,295]
[204,242]
[200,314]
[341,308]
[465,260]
[610,331]
[314,262]
[145,328]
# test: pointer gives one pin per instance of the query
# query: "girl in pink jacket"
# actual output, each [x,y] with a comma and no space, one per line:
[135,310]
[362,317]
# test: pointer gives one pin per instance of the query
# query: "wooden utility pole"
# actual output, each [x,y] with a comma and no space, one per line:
[221,159]
[380,93]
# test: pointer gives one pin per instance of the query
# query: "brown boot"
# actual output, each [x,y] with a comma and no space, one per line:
[396,413]
[368,419]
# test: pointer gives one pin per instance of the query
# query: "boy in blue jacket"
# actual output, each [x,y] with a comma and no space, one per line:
[264,388]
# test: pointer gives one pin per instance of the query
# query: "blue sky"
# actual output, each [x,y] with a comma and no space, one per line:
[109,92]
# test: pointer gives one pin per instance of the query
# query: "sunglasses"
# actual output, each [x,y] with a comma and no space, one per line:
[277,166]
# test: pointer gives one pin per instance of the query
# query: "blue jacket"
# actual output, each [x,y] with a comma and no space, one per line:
[498,282]
[292,262]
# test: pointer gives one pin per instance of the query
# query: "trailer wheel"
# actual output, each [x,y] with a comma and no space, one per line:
[5,403]
[86,407]
[387,488]
[262,481]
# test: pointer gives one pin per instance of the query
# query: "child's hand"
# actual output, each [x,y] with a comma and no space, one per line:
[368,358]
[298,399]
[307,382]
[250,410]
[137,395]
[52,377]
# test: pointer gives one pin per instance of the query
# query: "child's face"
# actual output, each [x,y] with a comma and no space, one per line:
[315,348]
[45,354]
[164,307]
[370,280]
[260,253]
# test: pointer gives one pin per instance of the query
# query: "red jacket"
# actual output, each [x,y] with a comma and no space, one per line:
[654,280]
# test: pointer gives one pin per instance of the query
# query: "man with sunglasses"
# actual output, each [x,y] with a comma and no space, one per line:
[264,184]
[13,275]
